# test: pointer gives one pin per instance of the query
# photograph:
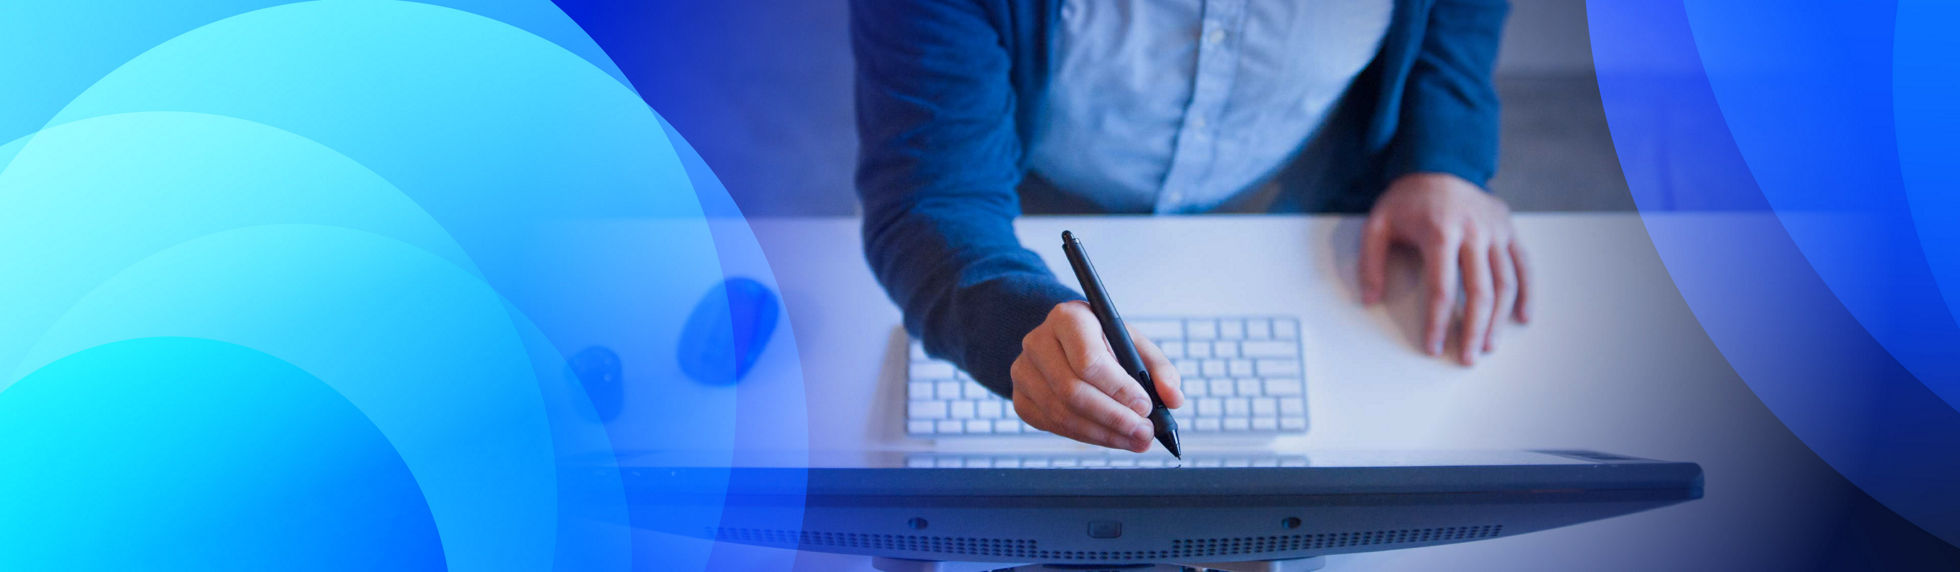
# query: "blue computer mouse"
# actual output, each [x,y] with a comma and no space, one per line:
[727,330]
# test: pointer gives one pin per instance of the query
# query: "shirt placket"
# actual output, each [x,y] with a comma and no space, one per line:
[1197,141]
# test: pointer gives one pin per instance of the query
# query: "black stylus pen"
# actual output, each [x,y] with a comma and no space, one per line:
[1119,340]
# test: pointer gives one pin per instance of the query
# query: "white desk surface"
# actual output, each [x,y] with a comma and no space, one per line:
[1614,361]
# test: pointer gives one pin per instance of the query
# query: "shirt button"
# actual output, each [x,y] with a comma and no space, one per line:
[1197,123]
[1217,37]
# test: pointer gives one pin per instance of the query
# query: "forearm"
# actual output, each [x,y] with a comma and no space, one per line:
[965,284]
[1449,117]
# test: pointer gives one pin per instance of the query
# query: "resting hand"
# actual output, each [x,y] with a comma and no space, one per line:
[1067,382]
[1458,228]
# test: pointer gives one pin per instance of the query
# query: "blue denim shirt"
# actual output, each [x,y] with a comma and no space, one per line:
[1173,106]
[947,101]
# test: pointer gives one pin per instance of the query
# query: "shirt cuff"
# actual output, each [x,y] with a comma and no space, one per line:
[1000,312]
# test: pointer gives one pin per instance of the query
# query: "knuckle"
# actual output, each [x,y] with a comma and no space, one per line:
[1081,395]
[1442,221]
[1095,369]
[1128,395]
[1071,312]
[1435,237]
[1503,284]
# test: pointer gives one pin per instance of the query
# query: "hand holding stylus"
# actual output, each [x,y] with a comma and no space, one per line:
[1067,382]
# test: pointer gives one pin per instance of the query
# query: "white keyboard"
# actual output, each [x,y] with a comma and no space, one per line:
[1242,375]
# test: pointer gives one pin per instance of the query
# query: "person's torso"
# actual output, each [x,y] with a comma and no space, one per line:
[1172,106]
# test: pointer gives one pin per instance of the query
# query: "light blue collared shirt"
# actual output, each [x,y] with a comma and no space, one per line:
[1171,106]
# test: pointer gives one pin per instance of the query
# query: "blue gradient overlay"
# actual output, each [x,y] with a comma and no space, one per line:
[1821,136]
[294,283]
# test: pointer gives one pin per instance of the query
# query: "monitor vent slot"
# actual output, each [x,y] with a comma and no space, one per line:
[1020,548]
[1204,547]
[1002,547]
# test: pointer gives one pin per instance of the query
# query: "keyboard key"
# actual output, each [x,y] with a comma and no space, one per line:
[1225,349]
[1286,329]
[926,410]
[918,426]
[1237,424]
[963,409]
[1194,387]
[1186,367]
[1223,388]
[1292,424]
[1248,388]
[919,390]
[1279,367]
[1215,368]
[949,390]
[1201,329]
[1210,407]
[1207,424]
[1265,424]
[931,369]
[989,410]
[1282,386]
[1262,407]
[1258,329]
[1269,349]
[1238,407]
[973,390]
[1241,368]
[1293,406]
[1197,350]
[951,426]
[1172,350]
[979,426]
[1231,329]
[1007,426]
[918,351]
[1155,329]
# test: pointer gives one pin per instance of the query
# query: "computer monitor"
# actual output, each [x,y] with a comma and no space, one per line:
[1123,508]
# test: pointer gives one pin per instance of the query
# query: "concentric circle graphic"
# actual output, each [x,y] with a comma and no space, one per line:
[305,277]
